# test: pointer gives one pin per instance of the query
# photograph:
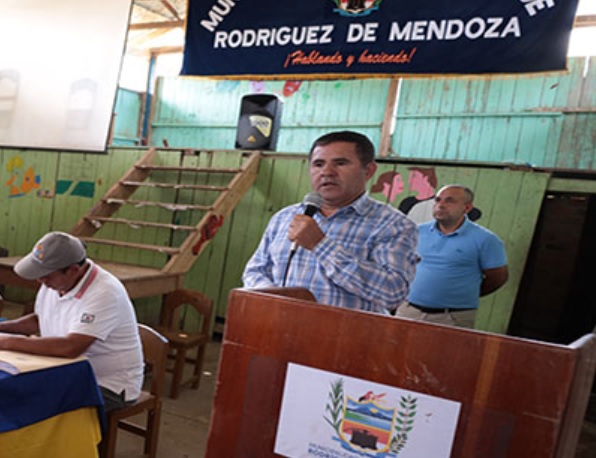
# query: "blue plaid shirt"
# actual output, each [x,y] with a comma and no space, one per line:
[366,261]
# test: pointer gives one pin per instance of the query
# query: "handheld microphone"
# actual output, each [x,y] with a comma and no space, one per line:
[313,202]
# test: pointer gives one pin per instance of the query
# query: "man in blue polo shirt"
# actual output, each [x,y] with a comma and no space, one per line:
[461,261]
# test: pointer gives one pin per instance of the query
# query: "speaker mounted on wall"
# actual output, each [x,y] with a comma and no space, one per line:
[259,122]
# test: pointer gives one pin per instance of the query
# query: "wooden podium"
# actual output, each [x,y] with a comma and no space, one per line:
[519,398]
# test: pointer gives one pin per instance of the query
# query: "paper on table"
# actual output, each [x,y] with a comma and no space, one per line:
[15,362]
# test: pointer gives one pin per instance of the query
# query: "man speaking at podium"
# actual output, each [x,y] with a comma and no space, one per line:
[346,248]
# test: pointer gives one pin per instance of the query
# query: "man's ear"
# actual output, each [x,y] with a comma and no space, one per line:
[468,208]
[73,268]
[370,169]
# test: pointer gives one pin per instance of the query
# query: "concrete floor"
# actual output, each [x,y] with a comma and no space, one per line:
[185,421]
[586,448]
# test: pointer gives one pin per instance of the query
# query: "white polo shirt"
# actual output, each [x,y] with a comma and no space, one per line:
[98,306]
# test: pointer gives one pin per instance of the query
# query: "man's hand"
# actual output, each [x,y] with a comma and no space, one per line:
[26,325]
[305,232]
[493,279]
[70,346]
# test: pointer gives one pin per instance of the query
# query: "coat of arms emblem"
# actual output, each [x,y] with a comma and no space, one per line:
[366,426]
[356,7]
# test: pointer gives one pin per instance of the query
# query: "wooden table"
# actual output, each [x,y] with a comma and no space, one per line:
[139,281]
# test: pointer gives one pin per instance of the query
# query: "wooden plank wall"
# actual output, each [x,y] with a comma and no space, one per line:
[204,113]
[509,200]
[544,120]
[547,120]
[128,111]
[577,148]
[51,190]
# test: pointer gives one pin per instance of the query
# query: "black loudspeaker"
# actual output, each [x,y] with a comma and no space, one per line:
[258,123]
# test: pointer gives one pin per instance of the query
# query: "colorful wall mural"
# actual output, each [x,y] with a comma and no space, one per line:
[417,200]
[24,180]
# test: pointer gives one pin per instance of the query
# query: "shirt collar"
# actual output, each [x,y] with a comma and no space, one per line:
[81,287]
[361,205]
[459,230]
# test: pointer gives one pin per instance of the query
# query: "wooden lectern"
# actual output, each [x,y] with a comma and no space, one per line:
[519,398]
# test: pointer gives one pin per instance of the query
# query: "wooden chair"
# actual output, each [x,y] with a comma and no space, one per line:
[155,351]
[180,340]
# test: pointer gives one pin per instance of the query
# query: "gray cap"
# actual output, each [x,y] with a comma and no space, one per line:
[54,251]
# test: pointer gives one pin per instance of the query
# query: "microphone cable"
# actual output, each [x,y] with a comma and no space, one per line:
[292,253]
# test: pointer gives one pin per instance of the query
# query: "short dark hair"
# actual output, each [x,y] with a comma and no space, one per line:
[364,147]
[80,264]
[467,191]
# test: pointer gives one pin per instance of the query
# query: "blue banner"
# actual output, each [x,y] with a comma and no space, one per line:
[365,38]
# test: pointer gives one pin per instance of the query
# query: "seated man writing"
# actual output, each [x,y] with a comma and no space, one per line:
[80,309]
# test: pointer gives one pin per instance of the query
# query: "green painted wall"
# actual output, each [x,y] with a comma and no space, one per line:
[544,120]
[204,113]
[127,118]
[509,200]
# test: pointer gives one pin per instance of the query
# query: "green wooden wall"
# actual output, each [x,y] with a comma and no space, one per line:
[510,202]
[204,113]
[469,129]
[509,199]
[543,120]
[128,113]
[51,190]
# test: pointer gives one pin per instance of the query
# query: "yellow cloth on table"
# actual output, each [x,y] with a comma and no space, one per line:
[73,434]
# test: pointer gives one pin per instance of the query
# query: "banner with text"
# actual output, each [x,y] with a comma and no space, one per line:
[347,38]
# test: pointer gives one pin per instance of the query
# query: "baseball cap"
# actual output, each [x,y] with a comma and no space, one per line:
[54,251]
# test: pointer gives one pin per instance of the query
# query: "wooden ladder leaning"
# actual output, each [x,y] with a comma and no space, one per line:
[199,223]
